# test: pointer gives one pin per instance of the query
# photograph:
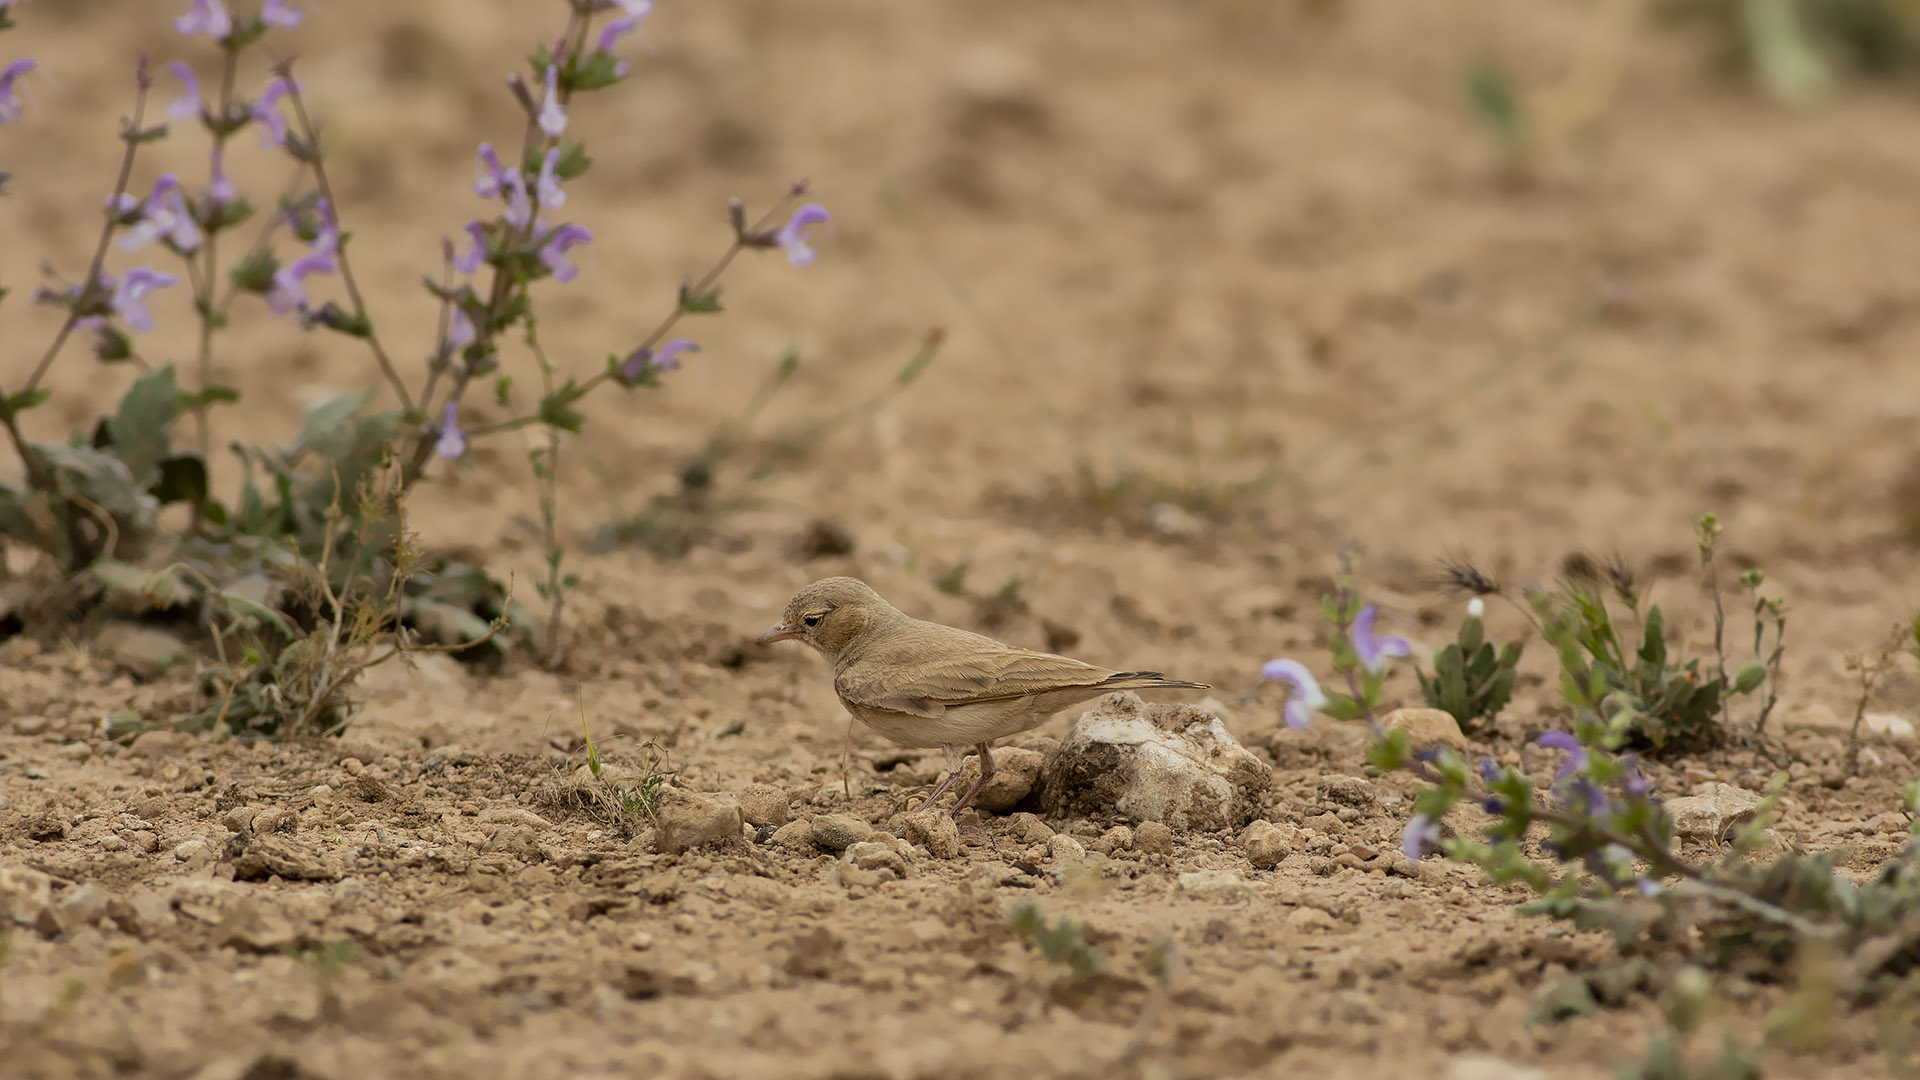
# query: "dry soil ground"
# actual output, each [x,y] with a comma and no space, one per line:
[1181,241]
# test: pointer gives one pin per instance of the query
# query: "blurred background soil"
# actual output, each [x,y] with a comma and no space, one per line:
[1227,287]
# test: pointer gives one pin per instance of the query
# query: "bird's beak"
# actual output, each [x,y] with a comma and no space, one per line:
[778,632]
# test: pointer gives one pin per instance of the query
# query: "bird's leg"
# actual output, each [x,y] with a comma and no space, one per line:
[941,790]
[986,774]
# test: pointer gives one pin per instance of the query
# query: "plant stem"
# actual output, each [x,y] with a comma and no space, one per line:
[318,162]
[547,475]
[129,134]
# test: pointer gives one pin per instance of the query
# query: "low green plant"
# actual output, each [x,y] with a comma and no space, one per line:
[1062,941]
[1470,679]
[632,801]
[1597,848]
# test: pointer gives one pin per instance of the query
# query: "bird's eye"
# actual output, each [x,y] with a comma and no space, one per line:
[813,620]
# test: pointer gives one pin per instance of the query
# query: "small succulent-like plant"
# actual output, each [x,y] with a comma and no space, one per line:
[1471,680]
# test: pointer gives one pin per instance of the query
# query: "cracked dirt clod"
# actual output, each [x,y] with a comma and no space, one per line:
[1174,764]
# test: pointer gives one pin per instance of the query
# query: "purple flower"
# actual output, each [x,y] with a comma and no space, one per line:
[1373,649]
[489,178]
[665,358]
[130,296]
[1303,695]
[1634,784]
[1576,752]
[207,17]
[553,118]
[267,115]
[554,251]
[460,332]
[1421,836]
[469,260]
[10,103]
[548,188]
[187,105]
[452,443]
[792,236]
[220,190]
[635,9]
[277,13]
[163,216]
[1489,770]
[288,292]
[519,212]
[612,33]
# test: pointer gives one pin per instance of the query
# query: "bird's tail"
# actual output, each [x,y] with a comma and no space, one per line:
[1150,680]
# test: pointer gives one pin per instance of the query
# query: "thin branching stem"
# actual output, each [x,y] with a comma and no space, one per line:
[361,320]
[129,134]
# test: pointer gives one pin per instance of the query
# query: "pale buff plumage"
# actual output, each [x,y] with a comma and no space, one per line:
[919,683]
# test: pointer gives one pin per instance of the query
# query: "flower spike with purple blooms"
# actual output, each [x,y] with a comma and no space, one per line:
[130,296]
[553,117]
[452,444]
[1304,694]
[208,17]
[792,237]
[664,358]
[10,103]
[1374,649]
[277,13]
[554,251]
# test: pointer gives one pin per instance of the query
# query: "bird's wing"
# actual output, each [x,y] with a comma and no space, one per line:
[935,668]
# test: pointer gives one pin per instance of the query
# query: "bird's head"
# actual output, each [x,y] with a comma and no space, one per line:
[830,614]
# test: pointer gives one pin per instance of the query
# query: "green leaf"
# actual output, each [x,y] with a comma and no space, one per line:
[502,387]
[1495,103]
[556,409]
[183,478]
[212,395]
[705,303]
[15,520]
[1788,64]
[22,400]
[573,160]
[255,272]
[329,426]
[140,431]
[110,346]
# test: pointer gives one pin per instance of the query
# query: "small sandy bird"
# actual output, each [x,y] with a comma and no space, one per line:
[923,684]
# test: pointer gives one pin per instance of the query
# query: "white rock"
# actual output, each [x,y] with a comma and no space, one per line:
[1888,726]
[1488,1067]
[1713,812]
[935,830]
[24,894]
[1427,727]
[1015,771]
[1175,764]
[688,820]
[1223,884]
